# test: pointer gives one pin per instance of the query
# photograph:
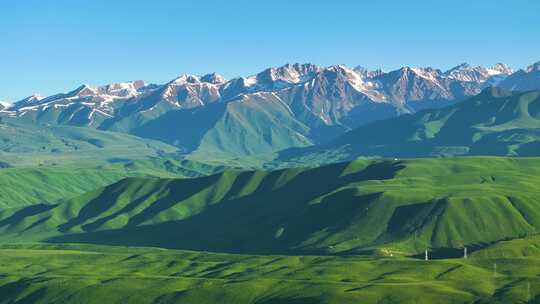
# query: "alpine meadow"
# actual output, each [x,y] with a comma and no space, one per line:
[292,176]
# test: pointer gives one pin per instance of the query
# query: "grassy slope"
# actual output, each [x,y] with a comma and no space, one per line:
[26,186]
[94,274]
[492,123]
[26,144]
[227,130]
[349,207]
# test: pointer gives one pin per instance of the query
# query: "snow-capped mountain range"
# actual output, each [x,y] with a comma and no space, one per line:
[310,103]
[191,91]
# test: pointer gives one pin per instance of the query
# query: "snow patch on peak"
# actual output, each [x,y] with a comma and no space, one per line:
[287,74]
[4,105]
[213,78]
[368,74]
[357,82]
[427,73]
[136,84]
[501,68]
[121,89]
[35,98]
[249,81]
[465,72]
[534,67]
[461,66]
[353,77]
[82,91]
[338,68]
[183,79]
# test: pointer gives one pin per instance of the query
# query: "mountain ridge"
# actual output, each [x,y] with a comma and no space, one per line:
[294,105]
[269,79]
[494,122]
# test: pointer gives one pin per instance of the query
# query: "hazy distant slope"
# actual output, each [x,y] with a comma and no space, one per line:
[405,205]
[25,143]
[240,127]
[495,122]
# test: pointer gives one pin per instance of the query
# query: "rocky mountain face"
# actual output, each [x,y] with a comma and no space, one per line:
[288,106]
[523,80]
[465,72]
[494,122]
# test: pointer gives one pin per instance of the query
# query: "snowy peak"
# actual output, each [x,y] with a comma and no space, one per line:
[534,67]
[27,101]
[276,78]
[366,73]
[183,79]
[83,91]
[189,91]
[289,74]
[501,68]
[345,74]
[408,73]
[213,78]
[109,91]
[4,105]
[339,71]
[466,72]
[35,98]
[428,73]
[341,76]
[458,68]
[122,89]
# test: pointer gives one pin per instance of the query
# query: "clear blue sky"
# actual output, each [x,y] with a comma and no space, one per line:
[53,46]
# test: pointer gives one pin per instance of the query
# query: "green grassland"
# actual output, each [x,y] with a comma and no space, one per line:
[178,231]
[97,274]
[47,184]
[354,207]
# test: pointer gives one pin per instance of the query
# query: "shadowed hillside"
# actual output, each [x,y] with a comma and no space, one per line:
[343,208]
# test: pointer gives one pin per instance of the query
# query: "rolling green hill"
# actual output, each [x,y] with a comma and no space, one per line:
[47,184]
[28,144]
[495,122]
[97,274]
[353,207]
